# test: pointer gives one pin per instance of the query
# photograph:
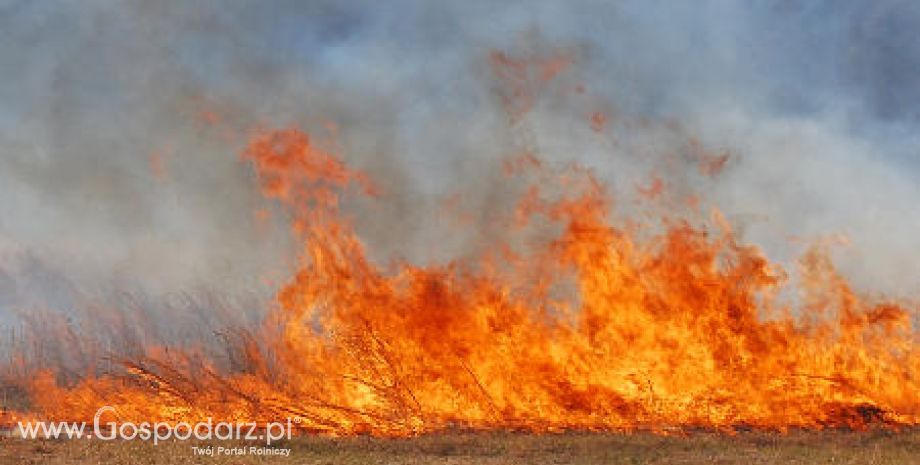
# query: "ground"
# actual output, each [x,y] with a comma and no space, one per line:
[748,448]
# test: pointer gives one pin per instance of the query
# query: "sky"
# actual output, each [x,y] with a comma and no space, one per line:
[120,126]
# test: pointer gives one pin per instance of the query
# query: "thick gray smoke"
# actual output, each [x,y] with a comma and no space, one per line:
[120,125]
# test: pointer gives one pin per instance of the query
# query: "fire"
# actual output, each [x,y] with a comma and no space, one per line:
[602,327]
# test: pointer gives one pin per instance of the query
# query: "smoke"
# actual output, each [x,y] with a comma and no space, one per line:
[120,126]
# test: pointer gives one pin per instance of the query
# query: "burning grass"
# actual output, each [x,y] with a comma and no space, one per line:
[607,325]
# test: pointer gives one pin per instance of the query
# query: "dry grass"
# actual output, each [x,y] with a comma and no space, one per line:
[751,448]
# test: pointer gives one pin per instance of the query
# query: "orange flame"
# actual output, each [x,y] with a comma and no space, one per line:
[602,328]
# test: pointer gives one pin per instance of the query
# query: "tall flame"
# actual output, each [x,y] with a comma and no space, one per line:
[601,328]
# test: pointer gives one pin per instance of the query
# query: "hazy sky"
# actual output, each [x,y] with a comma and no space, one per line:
[110,176]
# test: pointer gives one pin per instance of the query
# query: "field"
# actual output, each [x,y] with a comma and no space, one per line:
[748,448]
